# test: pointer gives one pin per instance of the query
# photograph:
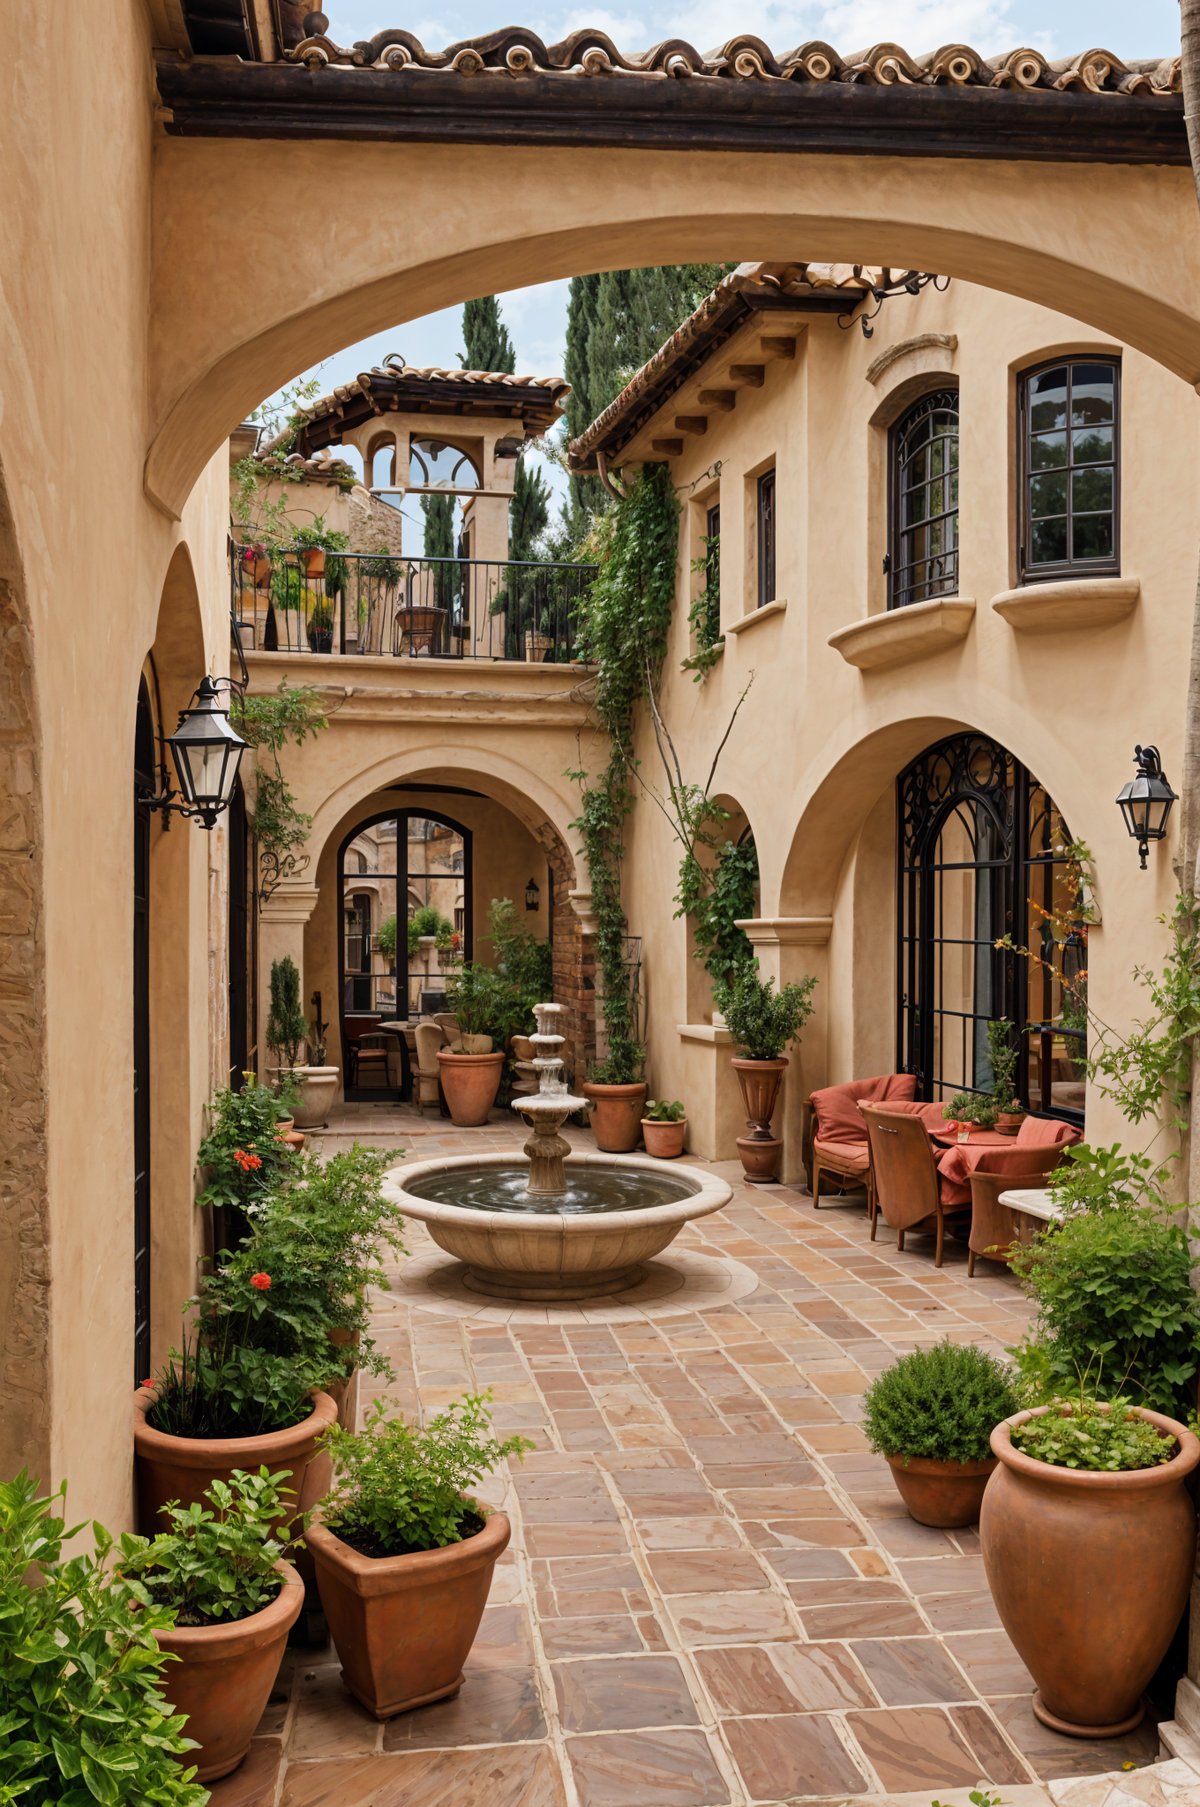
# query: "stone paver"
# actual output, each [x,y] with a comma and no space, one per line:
[714,1596]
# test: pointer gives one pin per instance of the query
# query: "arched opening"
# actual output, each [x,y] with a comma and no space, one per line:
[982,858]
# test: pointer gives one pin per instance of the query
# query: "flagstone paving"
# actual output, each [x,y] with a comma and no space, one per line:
[713,1595]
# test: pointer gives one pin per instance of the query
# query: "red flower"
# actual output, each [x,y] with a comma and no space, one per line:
[247,1162]
[148,1383]
[261,1281]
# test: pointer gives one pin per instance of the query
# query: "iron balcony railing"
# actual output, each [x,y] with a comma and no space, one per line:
[357,603]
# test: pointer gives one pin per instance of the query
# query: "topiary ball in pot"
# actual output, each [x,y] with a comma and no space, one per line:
[931,1414]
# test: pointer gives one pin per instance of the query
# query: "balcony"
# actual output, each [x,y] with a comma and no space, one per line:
[388,605]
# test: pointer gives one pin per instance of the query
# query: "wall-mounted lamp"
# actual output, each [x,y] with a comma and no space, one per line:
[206,752]
[533,895]
[1145,802]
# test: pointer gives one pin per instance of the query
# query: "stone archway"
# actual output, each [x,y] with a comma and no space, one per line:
[27,1368]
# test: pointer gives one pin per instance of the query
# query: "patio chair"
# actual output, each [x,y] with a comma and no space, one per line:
[426,1076]
[995,1229]
[839,1135]
[908,1189]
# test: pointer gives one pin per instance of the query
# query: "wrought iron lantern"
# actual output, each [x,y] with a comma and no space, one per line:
[206,752]
[533,895]
[1145,802]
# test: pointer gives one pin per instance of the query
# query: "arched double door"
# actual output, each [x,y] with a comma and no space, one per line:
[983,855]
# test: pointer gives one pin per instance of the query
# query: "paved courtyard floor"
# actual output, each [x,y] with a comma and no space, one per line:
[713,1595]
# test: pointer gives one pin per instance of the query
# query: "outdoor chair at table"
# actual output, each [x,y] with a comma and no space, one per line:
[839,1136]
[429,1037]
[366,1047]
[995,1228]
[909,1191]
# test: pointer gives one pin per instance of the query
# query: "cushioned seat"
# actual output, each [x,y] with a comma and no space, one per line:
[909,1191]
[840,1144]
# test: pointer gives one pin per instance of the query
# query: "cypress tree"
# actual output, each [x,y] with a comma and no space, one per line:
[486,338]
[438,511]
[528,512]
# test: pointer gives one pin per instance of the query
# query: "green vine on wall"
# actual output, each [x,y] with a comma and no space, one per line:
[268,723]
[704,616]
[626,617]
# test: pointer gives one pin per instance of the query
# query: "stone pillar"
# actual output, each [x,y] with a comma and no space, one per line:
[787,949]
[281,924]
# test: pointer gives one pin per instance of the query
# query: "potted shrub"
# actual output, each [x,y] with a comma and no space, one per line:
[1002,1057]
[99,1672]
[256,560]
[931,1415]
[763,1022]
[616,1095]
[971,1110]
[1089,1541]
[489,1010]
[242,1157]
[404,1554]
[218,1569]
[320,628]
[314,544]
[314,1087]
[664,1128]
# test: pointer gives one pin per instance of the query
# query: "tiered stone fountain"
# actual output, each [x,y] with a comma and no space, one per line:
[559,1225]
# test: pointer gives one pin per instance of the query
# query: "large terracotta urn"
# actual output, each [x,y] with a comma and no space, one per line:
[759,1150]
[1090,1575]
[403,1625]
[616,1115]
[470,1083]
[223,1675]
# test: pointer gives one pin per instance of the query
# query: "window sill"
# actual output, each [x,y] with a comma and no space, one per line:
[1070,604]
[713,1033]
[766,612]
[919,631]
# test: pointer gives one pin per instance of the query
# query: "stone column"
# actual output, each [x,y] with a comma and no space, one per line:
[787,949]
[281,924]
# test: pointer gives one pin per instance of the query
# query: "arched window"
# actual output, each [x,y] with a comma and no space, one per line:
[1070,442]
[923,517]
[983,855]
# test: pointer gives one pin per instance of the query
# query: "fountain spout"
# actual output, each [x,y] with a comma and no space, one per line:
[547,1109]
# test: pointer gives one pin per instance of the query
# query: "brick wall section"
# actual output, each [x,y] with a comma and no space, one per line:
[574,962]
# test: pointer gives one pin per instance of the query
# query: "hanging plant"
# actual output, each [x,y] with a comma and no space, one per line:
[268,723]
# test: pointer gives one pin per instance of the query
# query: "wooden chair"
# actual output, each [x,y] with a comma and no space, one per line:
[995,1229]
[365,1047]
[908,1187]
[840,1147]
[426,1076]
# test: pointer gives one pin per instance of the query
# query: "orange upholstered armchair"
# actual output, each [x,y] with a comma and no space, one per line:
[839,1134]
[909,1191]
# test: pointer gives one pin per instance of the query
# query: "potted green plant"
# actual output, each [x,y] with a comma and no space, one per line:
[1002,1057]
[316,1086]
[404,1553]
[664,1128]
[616,1095]
[85,1720]
[320,628]
[218,1569]
[1088,1535]
[315,543]
[242,1157]
[763,1022]
[971,1110]
[931,1416]
[489,1009]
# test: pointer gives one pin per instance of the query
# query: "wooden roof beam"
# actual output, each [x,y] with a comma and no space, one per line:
[691,423]
[776,347]
[667,448]
[747,376]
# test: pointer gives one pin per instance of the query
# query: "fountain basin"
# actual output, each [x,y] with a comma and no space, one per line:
[591,1241]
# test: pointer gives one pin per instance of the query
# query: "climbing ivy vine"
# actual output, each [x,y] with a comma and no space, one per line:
[626,617]
[268,723]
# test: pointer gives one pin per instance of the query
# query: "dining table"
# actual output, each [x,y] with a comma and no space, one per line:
[958,1159]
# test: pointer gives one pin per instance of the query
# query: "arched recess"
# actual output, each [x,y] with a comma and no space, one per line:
[220,345]
[27,1370]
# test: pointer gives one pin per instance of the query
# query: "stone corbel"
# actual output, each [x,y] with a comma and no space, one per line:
[290,903]
[787,931]
[581,903]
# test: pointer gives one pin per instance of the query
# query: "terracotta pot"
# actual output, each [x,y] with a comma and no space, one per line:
[760,1081]
[318,1087]
[664,1140]
[180,1468]
[260,570]
[536,648]
[421,627]
[470,1082]
[945,1494]
[1090,1574]
[616,1115]
[224,1676]
[1009,1122]
[403,1625]
[295,1138]
[314,561]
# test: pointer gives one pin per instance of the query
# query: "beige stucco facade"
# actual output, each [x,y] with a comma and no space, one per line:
[151,299]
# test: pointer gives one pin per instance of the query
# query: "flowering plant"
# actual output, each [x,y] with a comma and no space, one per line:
[242,1157]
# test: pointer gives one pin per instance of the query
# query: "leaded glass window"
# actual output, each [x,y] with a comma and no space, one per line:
[1070,425]
[923,554]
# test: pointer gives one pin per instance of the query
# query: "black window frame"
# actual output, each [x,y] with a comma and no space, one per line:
[766,536]
[901,591]
[1064,570]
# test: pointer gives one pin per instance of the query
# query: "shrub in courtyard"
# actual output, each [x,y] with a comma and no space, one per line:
[81,1677]
[761,1020]
[941,1403]
[405,1553]
[1099,1439]
[287,1024]
[1115,1305]
[523,958]
[486,1002]
[217,1568]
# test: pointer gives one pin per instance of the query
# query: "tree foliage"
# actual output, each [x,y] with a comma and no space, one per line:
[487,340]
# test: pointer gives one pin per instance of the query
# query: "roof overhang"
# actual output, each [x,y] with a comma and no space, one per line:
[510,89]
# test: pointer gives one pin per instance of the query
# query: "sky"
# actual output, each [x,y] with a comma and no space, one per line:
[536,317]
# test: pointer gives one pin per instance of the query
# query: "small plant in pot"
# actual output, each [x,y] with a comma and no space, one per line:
[1002,1058]
[81,1674]
[1088,1534]
[971,1110]
[489,1009]
[664,1128]
[763,1022]
[404,1554]
[616,1093]
[242,1158]
[314,1087]
[931,1415]
[218,1568]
